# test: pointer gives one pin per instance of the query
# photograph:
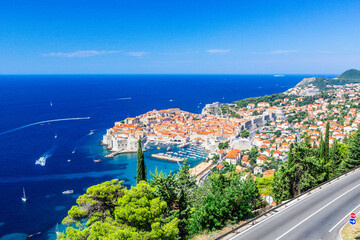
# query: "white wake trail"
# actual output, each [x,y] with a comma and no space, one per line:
[41,122]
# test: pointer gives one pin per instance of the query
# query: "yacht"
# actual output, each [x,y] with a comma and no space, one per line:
[68,192]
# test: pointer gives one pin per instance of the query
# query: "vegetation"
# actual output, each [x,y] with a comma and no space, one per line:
[223,199]
[177,190]
[110,211]
[224,145]
[350,75]
[244,133]
[171,206]
[140,167]
[267,98]
[307,167]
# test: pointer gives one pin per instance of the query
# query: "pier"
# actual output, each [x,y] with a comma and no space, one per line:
[167,157]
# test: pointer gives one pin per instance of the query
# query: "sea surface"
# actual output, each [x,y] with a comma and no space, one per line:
[80,104]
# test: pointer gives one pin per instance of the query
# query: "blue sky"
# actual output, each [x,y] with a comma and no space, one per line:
[212,37]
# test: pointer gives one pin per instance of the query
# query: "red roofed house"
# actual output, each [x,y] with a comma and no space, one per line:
[261,160]
[269,173]
[233,156]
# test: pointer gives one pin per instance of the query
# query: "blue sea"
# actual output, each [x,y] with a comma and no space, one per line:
[28,102]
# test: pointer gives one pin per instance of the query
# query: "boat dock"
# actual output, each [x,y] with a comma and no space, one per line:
[113,154]
[167,157]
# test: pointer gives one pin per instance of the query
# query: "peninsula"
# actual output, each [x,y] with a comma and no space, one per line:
[255,134]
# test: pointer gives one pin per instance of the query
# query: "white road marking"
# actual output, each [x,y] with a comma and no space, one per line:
[347,215]
[289,206]
[317,212]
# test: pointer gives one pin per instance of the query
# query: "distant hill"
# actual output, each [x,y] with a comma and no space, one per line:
[350,75]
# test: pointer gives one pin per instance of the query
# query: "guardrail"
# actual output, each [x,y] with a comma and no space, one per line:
[252,221]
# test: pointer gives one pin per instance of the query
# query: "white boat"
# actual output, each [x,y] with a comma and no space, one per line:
[24,199]
[68,192]
[57,229]
[41,161]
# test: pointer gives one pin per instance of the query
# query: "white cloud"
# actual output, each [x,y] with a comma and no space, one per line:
[218,50]
[136,54]
[87,53]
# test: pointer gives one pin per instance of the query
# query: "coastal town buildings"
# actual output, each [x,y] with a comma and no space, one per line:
[273,126]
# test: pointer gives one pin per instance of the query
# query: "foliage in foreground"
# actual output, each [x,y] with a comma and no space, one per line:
[223,198]
[309,166]
[110,211]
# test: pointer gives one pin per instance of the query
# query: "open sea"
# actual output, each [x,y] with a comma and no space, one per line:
[79,104]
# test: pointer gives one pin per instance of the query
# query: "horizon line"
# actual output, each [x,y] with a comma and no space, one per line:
[59,74]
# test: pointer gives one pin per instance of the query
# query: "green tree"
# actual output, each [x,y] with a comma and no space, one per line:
[302,171]
[277,133]
[178,191]
[253,154]
[245,133]
[353,159]
[265,184]
[326,143]
[110,211]
[140,167]
[223,198]
[224,145]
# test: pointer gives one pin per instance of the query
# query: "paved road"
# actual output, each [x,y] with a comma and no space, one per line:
[319,216]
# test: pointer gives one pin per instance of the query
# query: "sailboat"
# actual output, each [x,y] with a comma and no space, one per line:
[24,197]
[57,229]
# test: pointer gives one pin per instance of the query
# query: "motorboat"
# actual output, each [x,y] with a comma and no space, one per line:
[68,192]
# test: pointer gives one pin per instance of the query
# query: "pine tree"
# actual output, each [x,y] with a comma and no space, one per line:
[140,168]
[353,159]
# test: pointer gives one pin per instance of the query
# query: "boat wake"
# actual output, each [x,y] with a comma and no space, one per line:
[117,99]
[41,122]
[42,160]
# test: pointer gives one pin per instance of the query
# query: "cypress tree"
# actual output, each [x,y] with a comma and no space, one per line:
[353,159]
[326,143]
[335,157]
[322,149]
[140,167]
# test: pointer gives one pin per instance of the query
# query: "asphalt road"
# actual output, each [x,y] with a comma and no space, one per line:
[321,215]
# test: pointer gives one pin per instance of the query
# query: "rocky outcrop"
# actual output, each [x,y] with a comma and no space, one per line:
[306,81]
[211,109]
